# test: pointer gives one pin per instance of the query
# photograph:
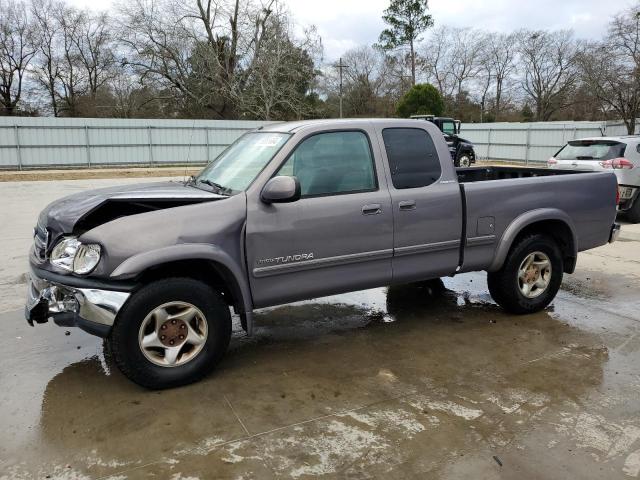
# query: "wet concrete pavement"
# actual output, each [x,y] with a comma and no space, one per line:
[414,381]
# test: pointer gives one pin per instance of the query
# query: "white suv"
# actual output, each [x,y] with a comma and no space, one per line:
[619,154]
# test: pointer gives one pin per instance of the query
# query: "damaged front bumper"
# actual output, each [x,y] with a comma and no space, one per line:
[90,307]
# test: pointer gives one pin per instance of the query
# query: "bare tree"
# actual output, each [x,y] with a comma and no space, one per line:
[204,50]
[437,59]
[611,68]
[281,74]
[548,62]
[93,43]
[46,62]
[373,82]
[498,66]
[468,46]
[71,75]
[452,60]
[16,52]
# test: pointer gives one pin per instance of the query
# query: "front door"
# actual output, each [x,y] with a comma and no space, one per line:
[427,206]
[337,237]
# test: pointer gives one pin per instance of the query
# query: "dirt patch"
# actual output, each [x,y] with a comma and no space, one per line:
[41,175]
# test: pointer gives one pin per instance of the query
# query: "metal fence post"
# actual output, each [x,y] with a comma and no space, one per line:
[18,152]
[206,131]
[489,145]
[527,145]
[87,145]
[150,145]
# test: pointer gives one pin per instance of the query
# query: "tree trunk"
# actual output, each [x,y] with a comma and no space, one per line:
[413,64]
[631,125]
[498,99]
[7,106]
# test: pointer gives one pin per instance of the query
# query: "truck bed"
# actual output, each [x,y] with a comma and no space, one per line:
[490,208]
[481,174]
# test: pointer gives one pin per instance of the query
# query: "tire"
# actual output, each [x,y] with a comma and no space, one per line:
[633,214]
[155,305]
[463,161]
[506,286]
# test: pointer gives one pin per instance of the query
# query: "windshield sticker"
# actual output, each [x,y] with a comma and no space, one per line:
[269,141]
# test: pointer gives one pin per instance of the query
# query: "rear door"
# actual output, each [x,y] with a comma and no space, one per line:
[426,203]
[337,237]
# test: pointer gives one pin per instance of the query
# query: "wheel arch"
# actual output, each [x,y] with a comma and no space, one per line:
[553,222]
[203,262]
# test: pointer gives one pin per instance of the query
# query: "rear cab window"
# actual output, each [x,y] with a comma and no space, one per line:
[412,155]
[591,150]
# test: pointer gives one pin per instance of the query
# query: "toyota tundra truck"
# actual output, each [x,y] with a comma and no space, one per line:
[295,211]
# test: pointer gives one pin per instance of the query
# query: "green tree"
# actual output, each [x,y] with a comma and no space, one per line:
[407,20]
[422,99]
[526,113]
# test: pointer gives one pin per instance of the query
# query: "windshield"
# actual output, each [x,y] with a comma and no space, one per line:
[449,128]
[591,150]
[236,167]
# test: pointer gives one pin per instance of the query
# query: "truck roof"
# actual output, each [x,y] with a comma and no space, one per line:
[329,123]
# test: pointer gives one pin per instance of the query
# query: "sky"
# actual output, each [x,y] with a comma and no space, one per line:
[344,24]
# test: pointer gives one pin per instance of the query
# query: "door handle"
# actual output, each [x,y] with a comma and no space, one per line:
[372,209]
[407,205]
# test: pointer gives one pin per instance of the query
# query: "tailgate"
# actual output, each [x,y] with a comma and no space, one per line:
[584,165]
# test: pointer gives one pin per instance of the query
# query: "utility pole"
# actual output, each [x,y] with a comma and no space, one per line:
[340,66]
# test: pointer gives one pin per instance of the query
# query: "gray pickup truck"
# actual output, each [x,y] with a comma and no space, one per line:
[295,211]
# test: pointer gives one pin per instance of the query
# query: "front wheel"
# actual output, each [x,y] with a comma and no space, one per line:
[170,333]
[530,277]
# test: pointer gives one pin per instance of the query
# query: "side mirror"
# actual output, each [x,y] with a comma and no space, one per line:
[281,189]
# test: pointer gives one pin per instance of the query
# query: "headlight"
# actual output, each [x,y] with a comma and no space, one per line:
[64,253]
[72,255]
[87,257]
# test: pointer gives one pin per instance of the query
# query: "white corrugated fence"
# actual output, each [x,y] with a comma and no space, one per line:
[44,142]
[84,142]
[531,142]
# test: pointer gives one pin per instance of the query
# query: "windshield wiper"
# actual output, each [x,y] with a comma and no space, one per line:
[219,189]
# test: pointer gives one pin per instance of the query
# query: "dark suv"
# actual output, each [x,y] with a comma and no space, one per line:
[461,150]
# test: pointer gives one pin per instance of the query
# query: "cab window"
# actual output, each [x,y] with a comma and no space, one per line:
[413,158]
[332,163]
[449,128]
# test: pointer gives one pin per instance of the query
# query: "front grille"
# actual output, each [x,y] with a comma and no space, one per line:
[41,242]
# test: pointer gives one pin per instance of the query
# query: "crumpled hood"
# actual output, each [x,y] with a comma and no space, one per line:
[61,216]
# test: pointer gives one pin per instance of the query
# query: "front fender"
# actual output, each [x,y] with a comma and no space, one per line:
[523,221]
[137,264]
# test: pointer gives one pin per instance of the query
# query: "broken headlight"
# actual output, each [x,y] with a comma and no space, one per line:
[72,255]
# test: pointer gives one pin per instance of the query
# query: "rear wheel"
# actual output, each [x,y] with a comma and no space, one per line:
[530,277]
[171,332]
[634,212]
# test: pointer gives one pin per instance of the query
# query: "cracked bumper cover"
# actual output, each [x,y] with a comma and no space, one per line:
[92,309]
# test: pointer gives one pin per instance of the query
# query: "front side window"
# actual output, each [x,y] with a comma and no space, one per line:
[236,167]
[332,163]
[413,158]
